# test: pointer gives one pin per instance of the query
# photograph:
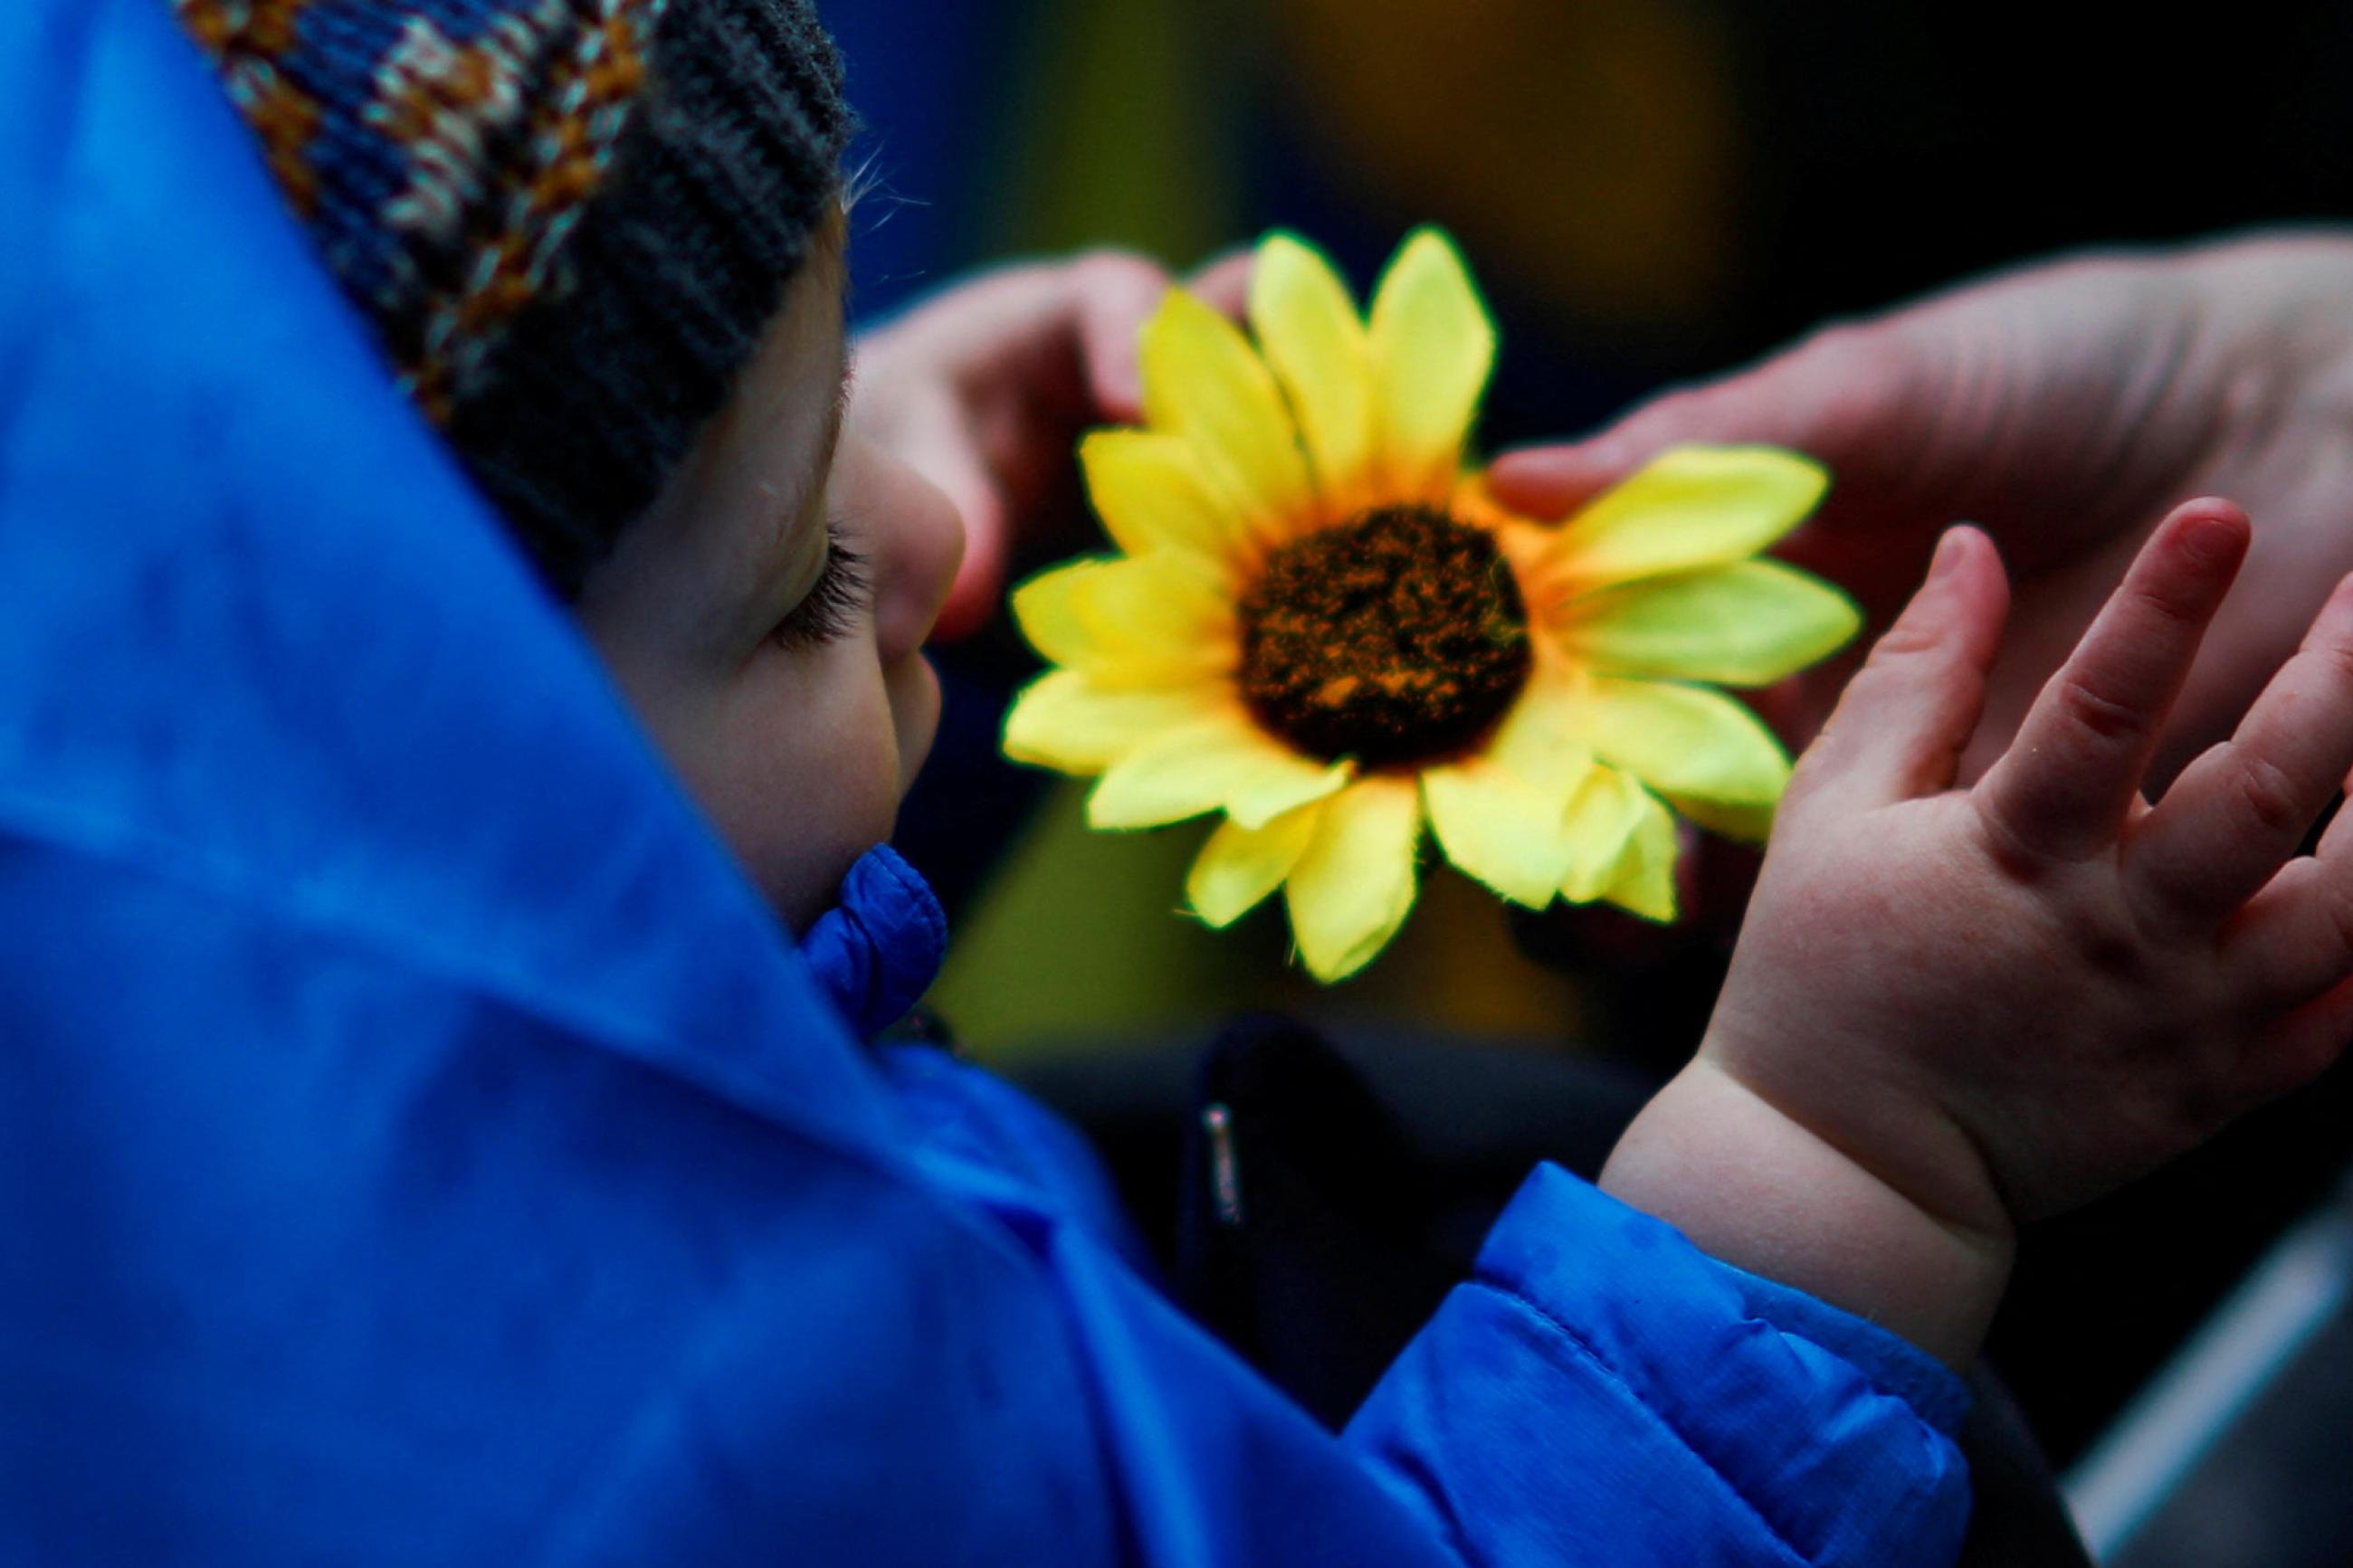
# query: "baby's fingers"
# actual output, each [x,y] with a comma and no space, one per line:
[2242,808]
[2064,786]
[1902,719]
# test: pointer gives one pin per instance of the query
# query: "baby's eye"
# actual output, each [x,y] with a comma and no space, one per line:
[832,608]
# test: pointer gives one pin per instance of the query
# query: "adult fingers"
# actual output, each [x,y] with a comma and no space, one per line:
[1223,280]
[1115,292]
[2063,787]
[1018,323]
[2243,807]
[1899,727]
[1850,396]
[1112,294]
[1106,296]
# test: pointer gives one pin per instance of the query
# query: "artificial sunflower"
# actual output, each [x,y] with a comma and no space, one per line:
[1321,627]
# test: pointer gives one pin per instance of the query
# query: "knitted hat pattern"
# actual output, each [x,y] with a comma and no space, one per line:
[569,220]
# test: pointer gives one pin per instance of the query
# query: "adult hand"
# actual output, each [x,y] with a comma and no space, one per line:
[2063,407]
[985,389]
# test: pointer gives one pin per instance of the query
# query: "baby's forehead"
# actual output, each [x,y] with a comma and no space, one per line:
[738,518]
[747,495]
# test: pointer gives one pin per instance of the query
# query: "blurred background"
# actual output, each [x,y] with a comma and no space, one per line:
[1649,190]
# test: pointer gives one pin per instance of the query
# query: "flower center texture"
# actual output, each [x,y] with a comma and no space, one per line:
[1397,637]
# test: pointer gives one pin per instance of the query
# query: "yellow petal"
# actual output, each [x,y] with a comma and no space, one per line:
[1647,883]
[1598,826]
[1203,382]
[1498,827]
[1744,823]
[1433,348]
[1150,491]
[1170,607]
[1682,741]
[1064,720]
[1356,883]
[1046,608]
[1746,624]
[1239,867]
[1225,762]
[1690,507]
[1500,814]
[1309,331]
[1166,619]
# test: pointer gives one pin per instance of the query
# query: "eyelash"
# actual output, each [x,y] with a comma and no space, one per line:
[830,609]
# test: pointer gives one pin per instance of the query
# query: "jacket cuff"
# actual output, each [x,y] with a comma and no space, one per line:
[1602,1386]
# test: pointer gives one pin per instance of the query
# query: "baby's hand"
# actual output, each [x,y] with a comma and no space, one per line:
[1951,1011]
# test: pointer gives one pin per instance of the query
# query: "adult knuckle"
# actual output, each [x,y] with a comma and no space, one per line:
[2104,718]
[1908,639]
[1867,377]
[1849,349]
[2336,660]
[2166,605]
[2267,795]
[1109,270]
[1674,410]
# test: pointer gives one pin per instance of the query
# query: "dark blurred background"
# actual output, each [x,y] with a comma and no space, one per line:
[1649,190]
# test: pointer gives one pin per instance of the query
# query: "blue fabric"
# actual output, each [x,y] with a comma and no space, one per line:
[418,1144]
[1720,1418]
[879,949]
[958,1110]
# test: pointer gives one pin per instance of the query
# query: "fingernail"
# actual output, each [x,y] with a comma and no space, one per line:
[2211,540]
[1947,556]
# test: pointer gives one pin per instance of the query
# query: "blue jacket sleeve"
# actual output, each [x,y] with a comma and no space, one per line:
[1601,1391]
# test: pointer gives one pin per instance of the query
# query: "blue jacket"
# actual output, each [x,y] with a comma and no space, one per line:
[418,1145]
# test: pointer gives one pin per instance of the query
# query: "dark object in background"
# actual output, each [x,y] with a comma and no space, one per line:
[1330,1197]
[1317,1218]
[1770,166]
[2235,1455]
[2104,1295]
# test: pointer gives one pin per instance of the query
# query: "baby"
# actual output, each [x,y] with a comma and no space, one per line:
[611,273]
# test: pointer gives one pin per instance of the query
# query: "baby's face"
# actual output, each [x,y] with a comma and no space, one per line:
[765,618]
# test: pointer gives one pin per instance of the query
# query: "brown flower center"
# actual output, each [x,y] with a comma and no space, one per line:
[1397,637]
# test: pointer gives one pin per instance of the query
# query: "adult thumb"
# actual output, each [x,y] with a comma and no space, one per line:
[1840,395]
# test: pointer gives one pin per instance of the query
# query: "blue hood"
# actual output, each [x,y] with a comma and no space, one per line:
[265,647]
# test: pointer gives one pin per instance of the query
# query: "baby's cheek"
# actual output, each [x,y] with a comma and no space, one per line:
[814,785]
[914,688]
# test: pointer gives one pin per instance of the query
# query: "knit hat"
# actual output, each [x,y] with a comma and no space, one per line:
[569,220]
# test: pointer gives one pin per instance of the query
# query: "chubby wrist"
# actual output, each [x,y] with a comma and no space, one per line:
[1753,1186]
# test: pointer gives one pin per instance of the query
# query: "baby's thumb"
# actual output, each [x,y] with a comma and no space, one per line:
[1901,724]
